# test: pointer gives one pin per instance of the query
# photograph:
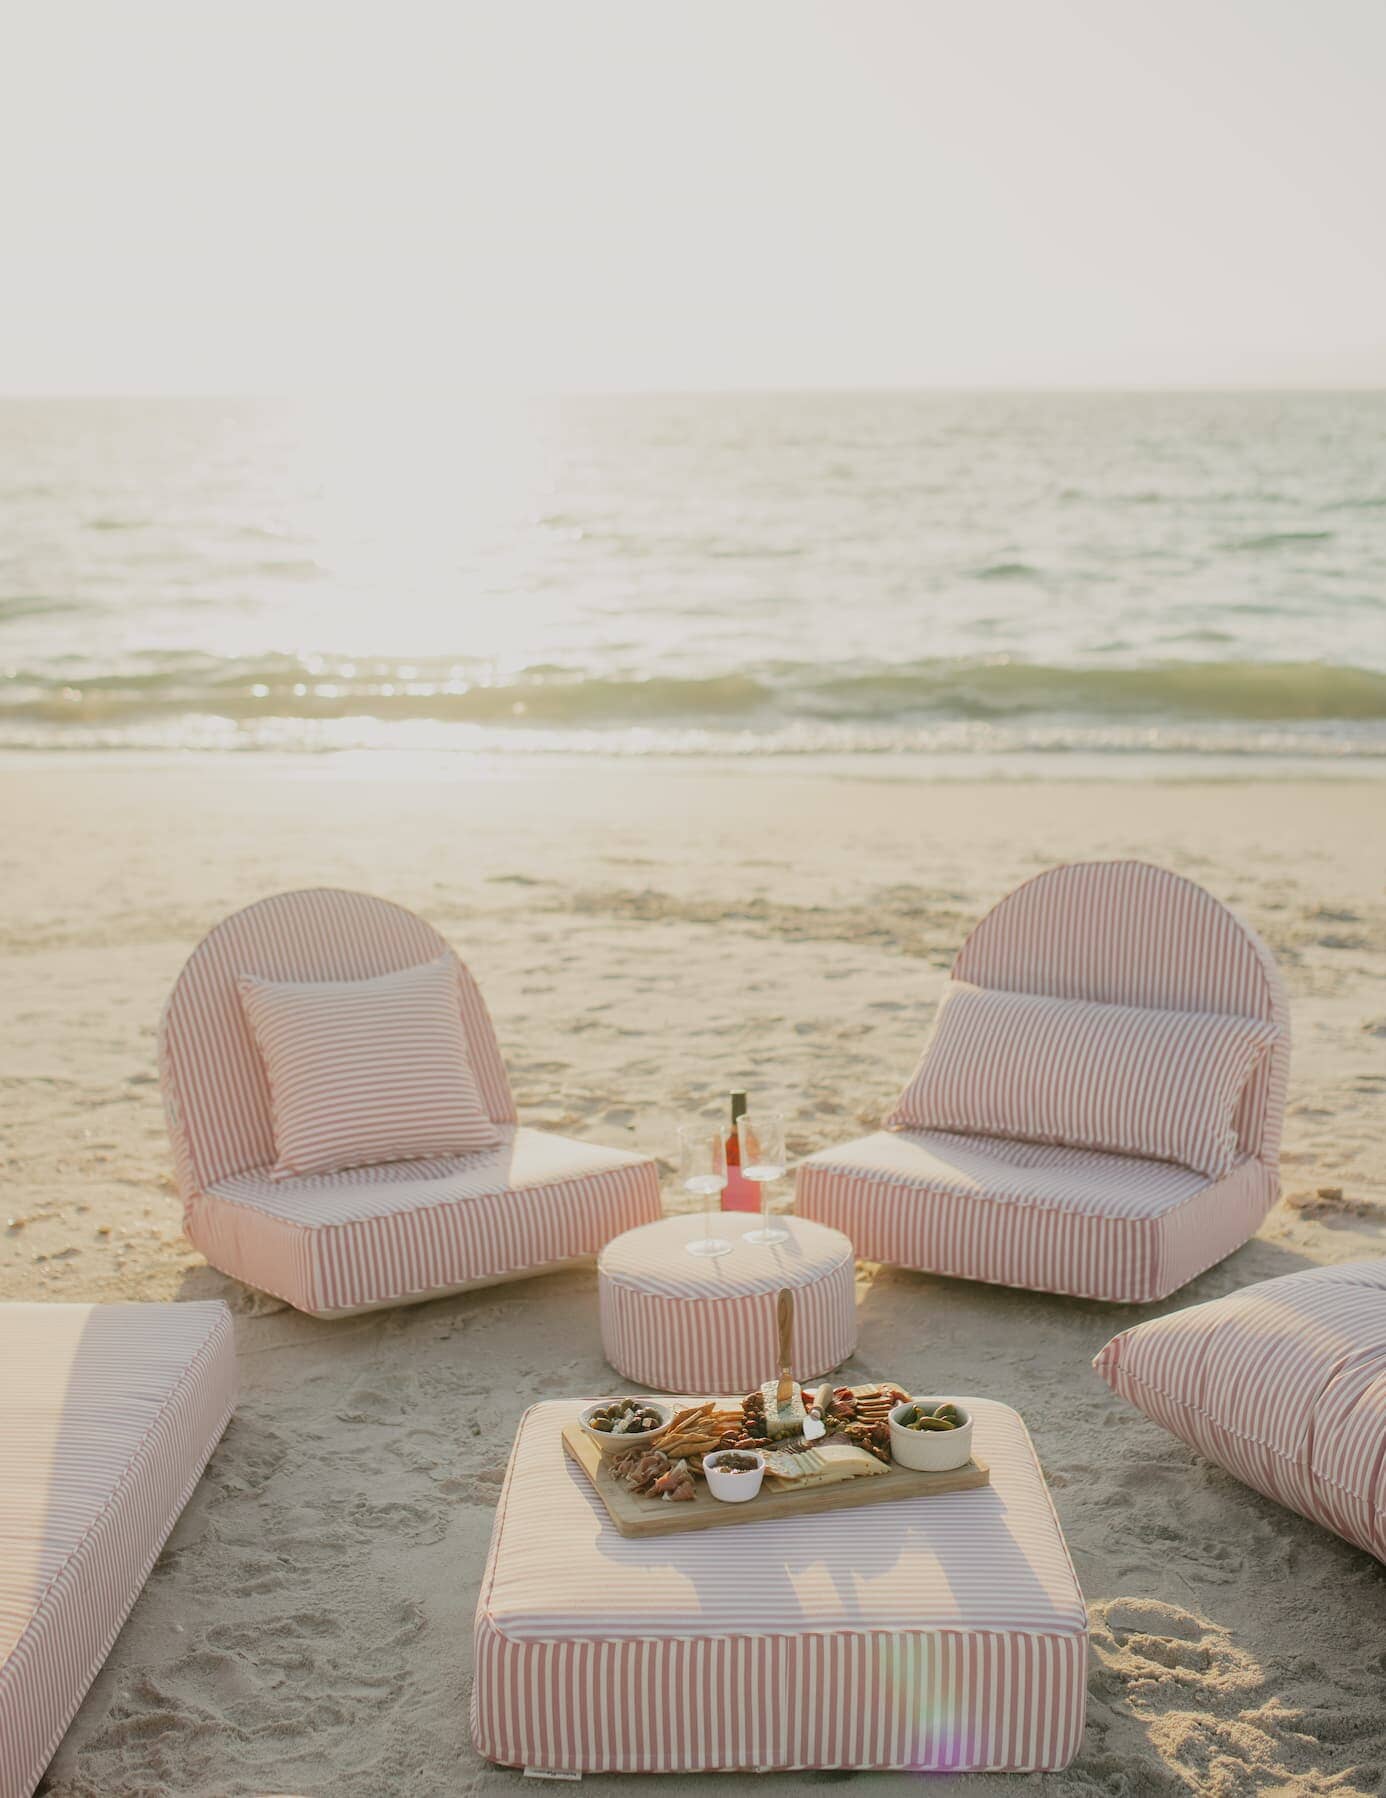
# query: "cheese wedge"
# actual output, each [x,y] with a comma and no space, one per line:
[783,1420]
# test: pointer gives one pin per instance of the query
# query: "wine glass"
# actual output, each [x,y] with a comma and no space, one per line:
[703,1169]
[763,1160]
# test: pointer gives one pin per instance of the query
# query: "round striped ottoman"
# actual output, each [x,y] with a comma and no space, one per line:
[677,1322]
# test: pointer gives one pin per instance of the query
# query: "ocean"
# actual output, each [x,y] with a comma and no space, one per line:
[1021,583]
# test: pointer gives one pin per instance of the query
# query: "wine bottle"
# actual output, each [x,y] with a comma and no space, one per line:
[740,1193]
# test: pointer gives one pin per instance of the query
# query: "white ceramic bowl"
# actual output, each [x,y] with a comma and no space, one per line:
[611,1444]
[930,1451]
[733,1488]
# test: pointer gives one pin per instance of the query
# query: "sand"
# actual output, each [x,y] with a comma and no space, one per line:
[647,938]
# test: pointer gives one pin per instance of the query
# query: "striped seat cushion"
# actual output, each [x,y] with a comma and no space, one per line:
[949,1634]
[1283,1384]
[108,1414]
[366,1071]
[404,1230]
[1135,1081]
[1044,1216]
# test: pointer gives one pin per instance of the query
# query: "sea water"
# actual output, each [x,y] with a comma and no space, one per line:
[1031,582]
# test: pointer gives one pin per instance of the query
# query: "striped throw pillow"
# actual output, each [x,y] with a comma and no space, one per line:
[1162,1084]
[365,1071]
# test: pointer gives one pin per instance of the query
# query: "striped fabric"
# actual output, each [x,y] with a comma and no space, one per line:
[1127,933]
[388,1234]
[682,1323]
[950,1634]
[365,1071]
[1160,1084]
[1077,1220]
[412,1229]
[108,1415]
[1283,1384]
[1049,1218]
[216,1096]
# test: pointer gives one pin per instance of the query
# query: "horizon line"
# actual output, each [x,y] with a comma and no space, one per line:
[460,389]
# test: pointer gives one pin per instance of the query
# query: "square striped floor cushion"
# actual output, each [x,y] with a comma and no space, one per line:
[1283,1384]
[330,1244]
[108,1415]
[946,1633]
[1054,1219]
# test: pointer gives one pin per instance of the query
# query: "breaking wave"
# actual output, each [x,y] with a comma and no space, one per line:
[780,698]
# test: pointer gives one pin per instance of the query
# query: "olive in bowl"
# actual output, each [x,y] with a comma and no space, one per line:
[930,1435]
[617,1424]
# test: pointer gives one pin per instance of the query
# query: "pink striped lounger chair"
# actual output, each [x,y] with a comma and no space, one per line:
[108,1415]
[329,1236]
[1098,1111]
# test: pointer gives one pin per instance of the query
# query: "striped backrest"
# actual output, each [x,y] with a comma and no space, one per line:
[1127,933]
[216,1097]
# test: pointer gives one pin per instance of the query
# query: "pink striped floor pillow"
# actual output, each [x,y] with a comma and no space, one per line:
[1121,1078]
[108,1415]
[367,1071]
[1283,1384]
[943,1634]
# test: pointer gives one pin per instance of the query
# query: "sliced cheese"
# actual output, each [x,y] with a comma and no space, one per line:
[823,1465]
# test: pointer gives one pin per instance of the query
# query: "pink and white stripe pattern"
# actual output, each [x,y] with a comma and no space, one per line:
[366,1071]
[108,1415]
[1127,933]
[1048,1218]
[681,1323]
[1283,1384]
[408,1229]
[385,1234]
[951,1635]
[1070,1219]
[1161,1084]
[216,1095]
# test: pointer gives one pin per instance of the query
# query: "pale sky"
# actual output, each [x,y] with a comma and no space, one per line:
[223,196]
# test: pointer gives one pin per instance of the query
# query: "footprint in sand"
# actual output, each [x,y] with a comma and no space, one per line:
[250,1456]
[250,1638]
[408,1522]
[1208,1714]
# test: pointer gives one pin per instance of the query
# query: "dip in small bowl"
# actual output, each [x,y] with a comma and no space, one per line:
[734,1474]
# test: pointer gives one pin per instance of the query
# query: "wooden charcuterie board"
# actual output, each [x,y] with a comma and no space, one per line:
[637,1515]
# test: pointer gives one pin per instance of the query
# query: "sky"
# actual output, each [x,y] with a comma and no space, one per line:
[235,196]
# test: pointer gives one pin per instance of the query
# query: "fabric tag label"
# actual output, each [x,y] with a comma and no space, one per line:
[549,1773]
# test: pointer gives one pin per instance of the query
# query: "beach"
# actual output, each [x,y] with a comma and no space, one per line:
[693,532]
[649,935]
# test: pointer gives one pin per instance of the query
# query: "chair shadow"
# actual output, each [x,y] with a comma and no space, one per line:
[204,1282]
